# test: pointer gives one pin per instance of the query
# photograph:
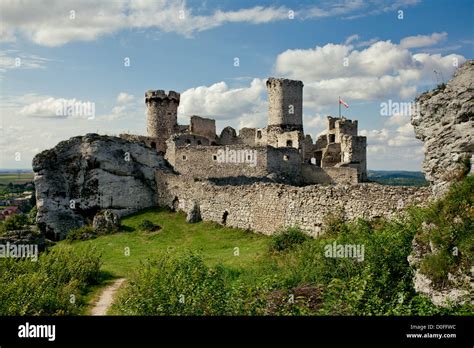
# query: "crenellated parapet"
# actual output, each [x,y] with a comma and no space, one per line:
[162,115]
[156,95]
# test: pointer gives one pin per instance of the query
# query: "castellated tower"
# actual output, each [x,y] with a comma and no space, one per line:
[162,115]
[285,104]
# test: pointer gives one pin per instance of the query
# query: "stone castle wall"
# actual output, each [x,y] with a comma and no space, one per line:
[227,161]
[266,207]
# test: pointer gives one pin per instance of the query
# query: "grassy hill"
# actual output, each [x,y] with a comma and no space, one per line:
[208,269]
[215,243]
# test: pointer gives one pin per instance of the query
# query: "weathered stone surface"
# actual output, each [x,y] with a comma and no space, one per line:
[106,220]
[267,207]
[456,293]
[444,121]
[86,174]
[194,214]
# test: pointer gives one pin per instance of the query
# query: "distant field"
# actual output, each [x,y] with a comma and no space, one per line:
[397,178]
[15,178]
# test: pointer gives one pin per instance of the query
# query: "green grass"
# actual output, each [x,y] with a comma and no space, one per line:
[215,243]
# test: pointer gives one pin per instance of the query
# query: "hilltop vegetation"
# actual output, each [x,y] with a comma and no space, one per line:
[207,269]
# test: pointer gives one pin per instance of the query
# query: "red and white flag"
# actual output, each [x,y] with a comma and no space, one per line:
[343,103]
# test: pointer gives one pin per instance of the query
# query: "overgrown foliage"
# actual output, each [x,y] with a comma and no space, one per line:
[81,233]
[184,285]
[53,285]
[288,239]
[16,222]
[306,280]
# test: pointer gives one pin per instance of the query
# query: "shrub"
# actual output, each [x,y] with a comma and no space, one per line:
[32,215]
[147,225]
[50,286]
[81,233]
[184,285]
[16,222]
[288,239]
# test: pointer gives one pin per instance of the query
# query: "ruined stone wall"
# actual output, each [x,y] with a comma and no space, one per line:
[345,127]
[248,135]
[229,136]
[331,155]
[150,142]
[235,161]
[354,151]
[266,208]
[205,127]
[312,174]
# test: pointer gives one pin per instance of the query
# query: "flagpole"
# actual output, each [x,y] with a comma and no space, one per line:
[339,102]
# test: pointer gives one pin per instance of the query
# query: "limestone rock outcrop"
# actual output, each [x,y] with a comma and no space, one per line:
[444,121]
[106,220]
[84,175]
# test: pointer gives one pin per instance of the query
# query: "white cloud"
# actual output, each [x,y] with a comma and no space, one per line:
[59,108]
[393,145]
[13,59]
[381,71]
[57,22]
[28,129]
[221,102]
[351,38]
[423,40]
[124,97]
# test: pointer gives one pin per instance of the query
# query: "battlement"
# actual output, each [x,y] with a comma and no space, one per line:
[161,95]
[272,81]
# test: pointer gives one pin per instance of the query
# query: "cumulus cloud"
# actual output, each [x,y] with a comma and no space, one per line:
[124,97]
[382,70]
[57,22]
[393,144]
[32,125]
[221,102]
[423,40]
[59,108]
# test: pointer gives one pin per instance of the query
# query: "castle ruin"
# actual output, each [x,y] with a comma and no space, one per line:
[280,152]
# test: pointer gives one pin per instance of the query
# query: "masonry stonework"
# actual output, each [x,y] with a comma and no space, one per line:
[268,207]
[162,115]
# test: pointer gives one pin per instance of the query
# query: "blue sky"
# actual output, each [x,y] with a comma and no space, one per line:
[190,47]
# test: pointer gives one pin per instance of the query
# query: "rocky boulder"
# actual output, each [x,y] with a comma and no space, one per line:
[87,174]
[444,121]
[105,221]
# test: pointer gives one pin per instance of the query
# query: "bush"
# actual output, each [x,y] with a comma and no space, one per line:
[184,285]
[81,233]
[50,286]
[16,222]
[147,225]
[32,215]
[288,239]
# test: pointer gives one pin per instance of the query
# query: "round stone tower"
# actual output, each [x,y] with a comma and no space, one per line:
[285,104]
[162,115]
